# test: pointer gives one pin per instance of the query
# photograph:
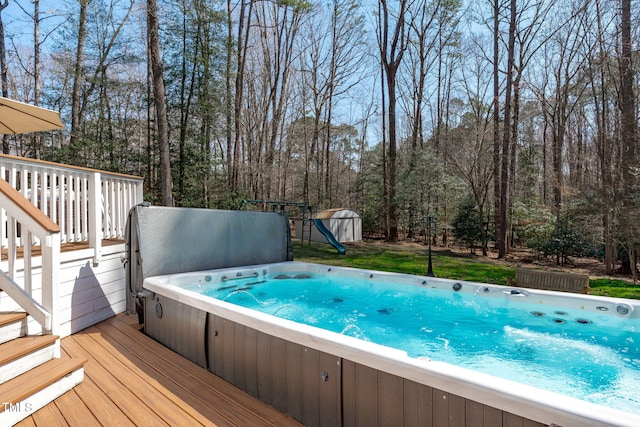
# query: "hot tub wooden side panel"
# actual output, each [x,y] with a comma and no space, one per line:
[314,387]
[178,326]
[300,381]
[376,398]
[320,389]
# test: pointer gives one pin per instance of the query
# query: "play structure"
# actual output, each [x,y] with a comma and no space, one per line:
[334,226]
[329,236]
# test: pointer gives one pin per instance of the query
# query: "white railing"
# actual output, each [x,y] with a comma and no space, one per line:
[21,213]
[88,205]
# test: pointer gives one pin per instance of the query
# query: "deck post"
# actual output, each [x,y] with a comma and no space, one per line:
[139,196]
[50,283]
[12,251]
[95,216]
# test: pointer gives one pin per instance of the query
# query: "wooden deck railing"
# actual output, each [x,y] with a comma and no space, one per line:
[18,210]
[87,204]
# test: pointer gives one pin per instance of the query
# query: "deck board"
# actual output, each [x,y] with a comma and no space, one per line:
[50,415]
[64,247]
[76,412]
[131,379]
[201,394]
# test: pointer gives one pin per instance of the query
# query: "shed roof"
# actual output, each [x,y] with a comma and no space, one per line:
[337,213]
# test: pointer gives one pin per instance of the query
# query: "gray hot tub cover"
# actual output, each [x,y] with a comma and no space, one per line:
[163,240]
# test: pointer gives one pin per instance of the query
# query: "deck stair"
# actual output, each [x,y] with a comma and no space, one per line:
[30,374]
[12,325]
[42,206]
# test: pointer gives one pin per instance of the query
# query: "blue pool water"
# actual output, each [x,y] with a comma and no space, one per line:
[589,355]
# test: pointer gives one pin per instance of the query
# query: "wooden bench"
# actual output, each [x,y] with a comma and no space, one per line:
[552,280]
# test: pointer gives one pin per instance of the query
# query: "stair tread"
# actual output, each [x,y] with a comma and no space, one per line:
[10,317]
[20,347]
[23,386]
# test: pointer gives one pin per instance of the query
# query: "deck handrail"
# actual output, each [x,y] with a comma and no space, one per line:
[32,221]
[87,204]
[53,165]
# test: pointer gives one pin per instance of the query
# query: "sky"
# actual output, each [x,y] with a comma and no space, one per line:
[18,24]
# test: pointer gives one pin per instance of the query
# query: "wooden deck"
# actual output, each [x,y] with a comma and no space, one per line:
[131,380]
[64,247]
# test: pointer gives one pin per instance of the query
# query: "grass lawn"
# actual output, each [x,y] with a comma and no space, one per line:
[413,259]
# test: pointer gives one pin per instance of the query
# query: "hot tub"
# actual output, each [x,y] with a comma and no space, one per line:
[328,378]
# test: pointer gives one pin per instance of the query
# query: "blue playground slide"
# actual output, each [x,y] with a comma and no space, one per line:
[330,238]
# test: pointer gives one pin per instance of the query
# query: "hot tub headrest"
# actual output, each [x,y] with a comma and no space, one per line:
[162,240]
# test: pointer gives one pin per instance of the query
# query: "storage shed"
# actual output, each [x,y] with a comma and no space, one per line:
[344,224]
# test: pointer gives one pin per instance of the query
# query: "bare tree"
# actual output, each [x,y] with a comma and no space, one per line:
[470,151]
[496,117]
[234,146]
[629,163]
[35,71]
[4,81]
[506,139]
[425,35]
[36,54]
[530,22]
[427,72]
[78,75]
[331,51]
[160,104]
[278,28]
[346,54]
[563,57]
[392,42]
[627,98]
[104,45]
[601,84]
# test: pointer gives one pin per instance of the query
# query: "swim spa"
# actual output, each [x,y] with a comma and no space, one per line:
[343,377]
[237,338]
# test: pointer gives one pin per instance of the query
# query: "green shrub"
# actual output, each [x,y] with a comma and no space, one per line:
[468,226]
[562,242]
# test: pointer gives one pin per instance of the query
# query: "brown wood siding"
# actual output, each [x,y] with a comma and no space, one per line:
[329,388]
[283,374]
[294,375]
[320,389]
[178,326]
[404,403]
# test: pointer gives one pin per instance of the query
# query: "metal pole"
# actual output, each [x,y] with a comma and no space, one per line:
[430,267]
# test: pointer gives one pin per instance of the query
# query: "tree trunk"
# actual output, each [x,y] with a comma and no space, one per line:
[557,142]
[512,158]
[187,95]
[4,81]
[627,101]
[78,75]
[629,214]
[393,207]
[392,43]
[228,92]
[35,137]
[160,104]
[496,118]
[603,146]
[506,140]
[385,173]
[244,22]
